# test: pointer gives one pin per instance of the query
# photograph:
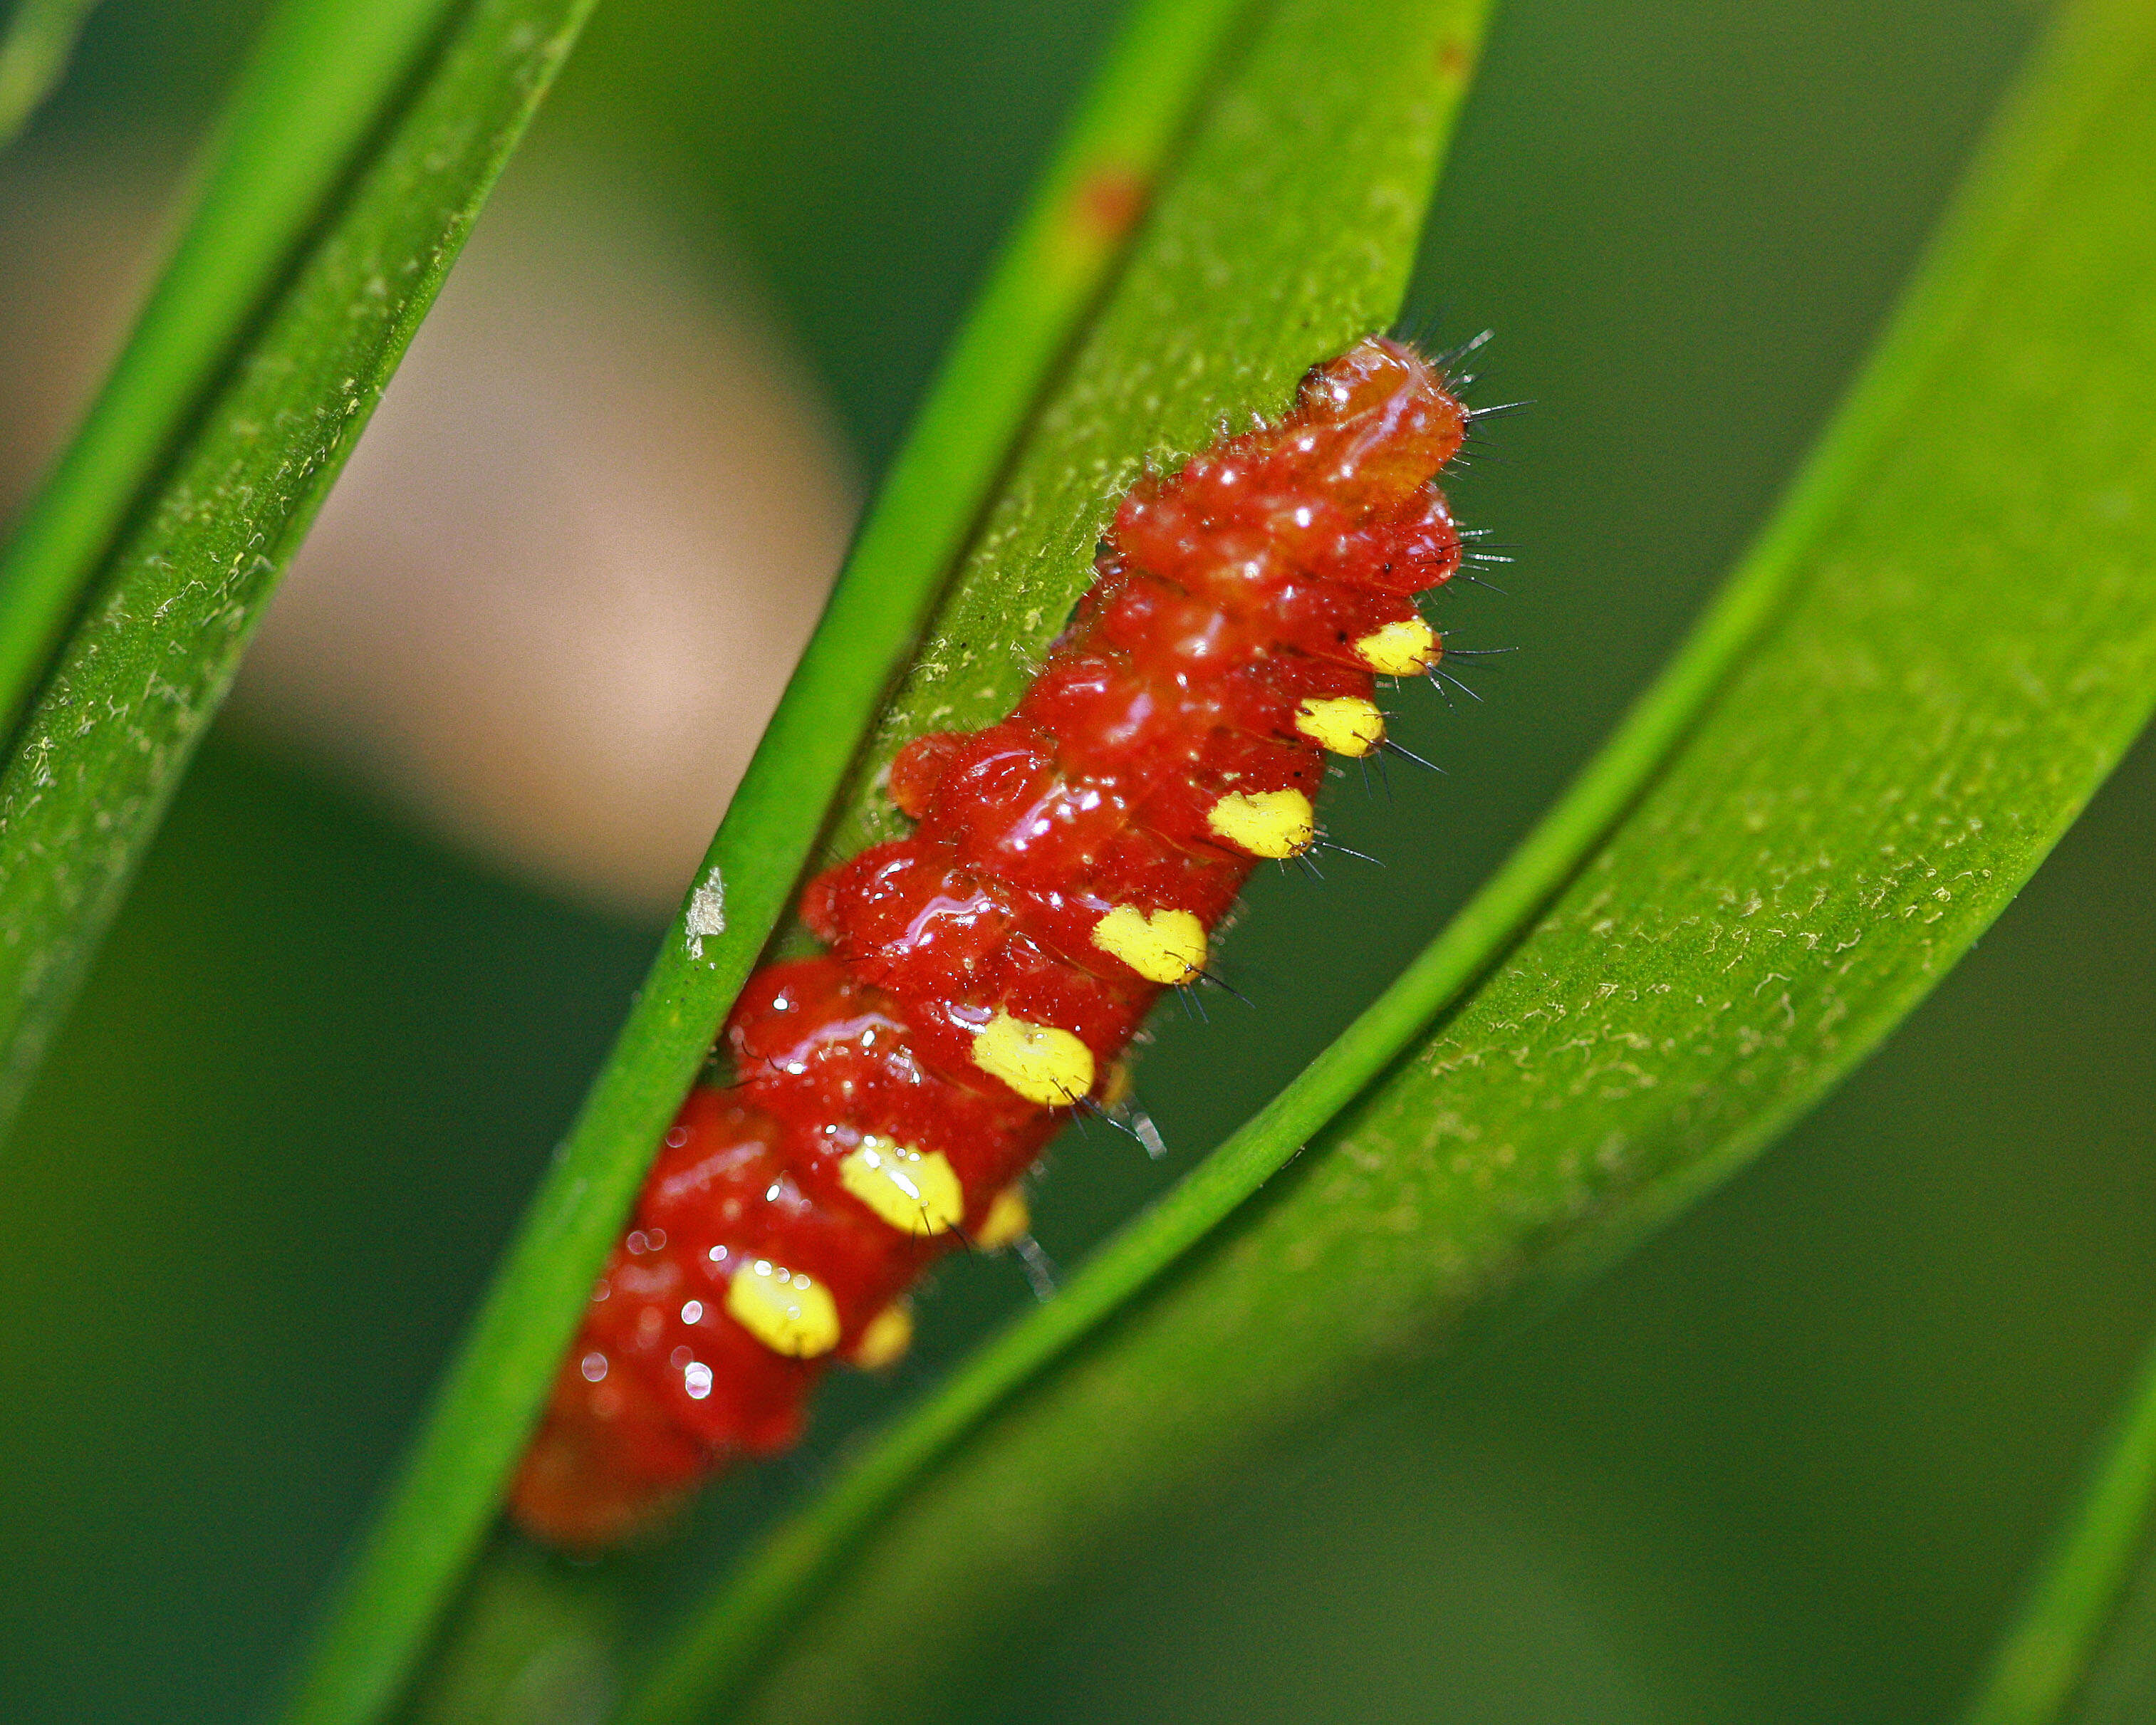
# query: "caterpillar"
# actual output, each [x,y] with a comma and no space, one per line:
[982,975]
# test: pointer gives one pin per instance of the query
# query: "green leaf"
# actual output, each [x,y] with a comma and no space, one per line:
[324,77]
[1942,642]
[34,49]
[1065,250]
[2084,1649]
[353,160]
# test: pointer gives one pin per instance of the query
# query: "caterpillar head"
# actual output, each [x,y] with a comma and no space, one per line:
[1392,422]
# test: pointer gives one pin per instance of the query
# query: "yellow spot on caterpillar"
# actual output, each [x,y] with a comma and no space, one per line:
[1341,725]
[1399,649]
[790,1313]
[1049,1067]
[1007,1219]
[1166,947]
[883,1342]
[1265,823]
[914,1193]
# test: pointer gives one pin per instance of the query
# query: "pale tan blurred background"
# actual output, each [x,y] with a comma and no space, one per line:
[556,590]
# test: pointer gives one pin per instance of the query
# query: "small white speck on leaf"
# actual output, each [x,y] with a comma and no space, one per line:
[707,912]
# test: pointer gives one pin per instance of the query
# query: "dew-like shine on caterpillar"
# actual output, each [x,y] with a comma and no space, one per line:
[983,974]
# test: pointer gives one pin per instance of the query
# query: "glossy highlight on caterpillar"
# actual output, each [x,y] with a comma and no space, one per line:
[983,973]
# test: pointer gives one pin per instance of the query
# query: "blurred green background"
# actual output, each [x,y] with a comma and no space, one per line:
[1789,1463]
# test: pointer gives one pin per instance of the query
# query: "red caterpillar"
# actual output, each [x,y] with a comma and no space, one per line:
[984,973]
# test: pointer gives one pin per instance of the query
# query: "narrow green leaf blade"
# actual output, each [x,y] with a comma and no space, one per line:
[2084,1649]
[34,49]
[138,680]
[1068,244]
[326,75]
[230,412]
[1840,781]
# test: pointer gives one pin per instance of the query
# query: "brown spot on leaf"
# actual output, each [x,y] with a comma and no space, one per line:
[1109,201]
